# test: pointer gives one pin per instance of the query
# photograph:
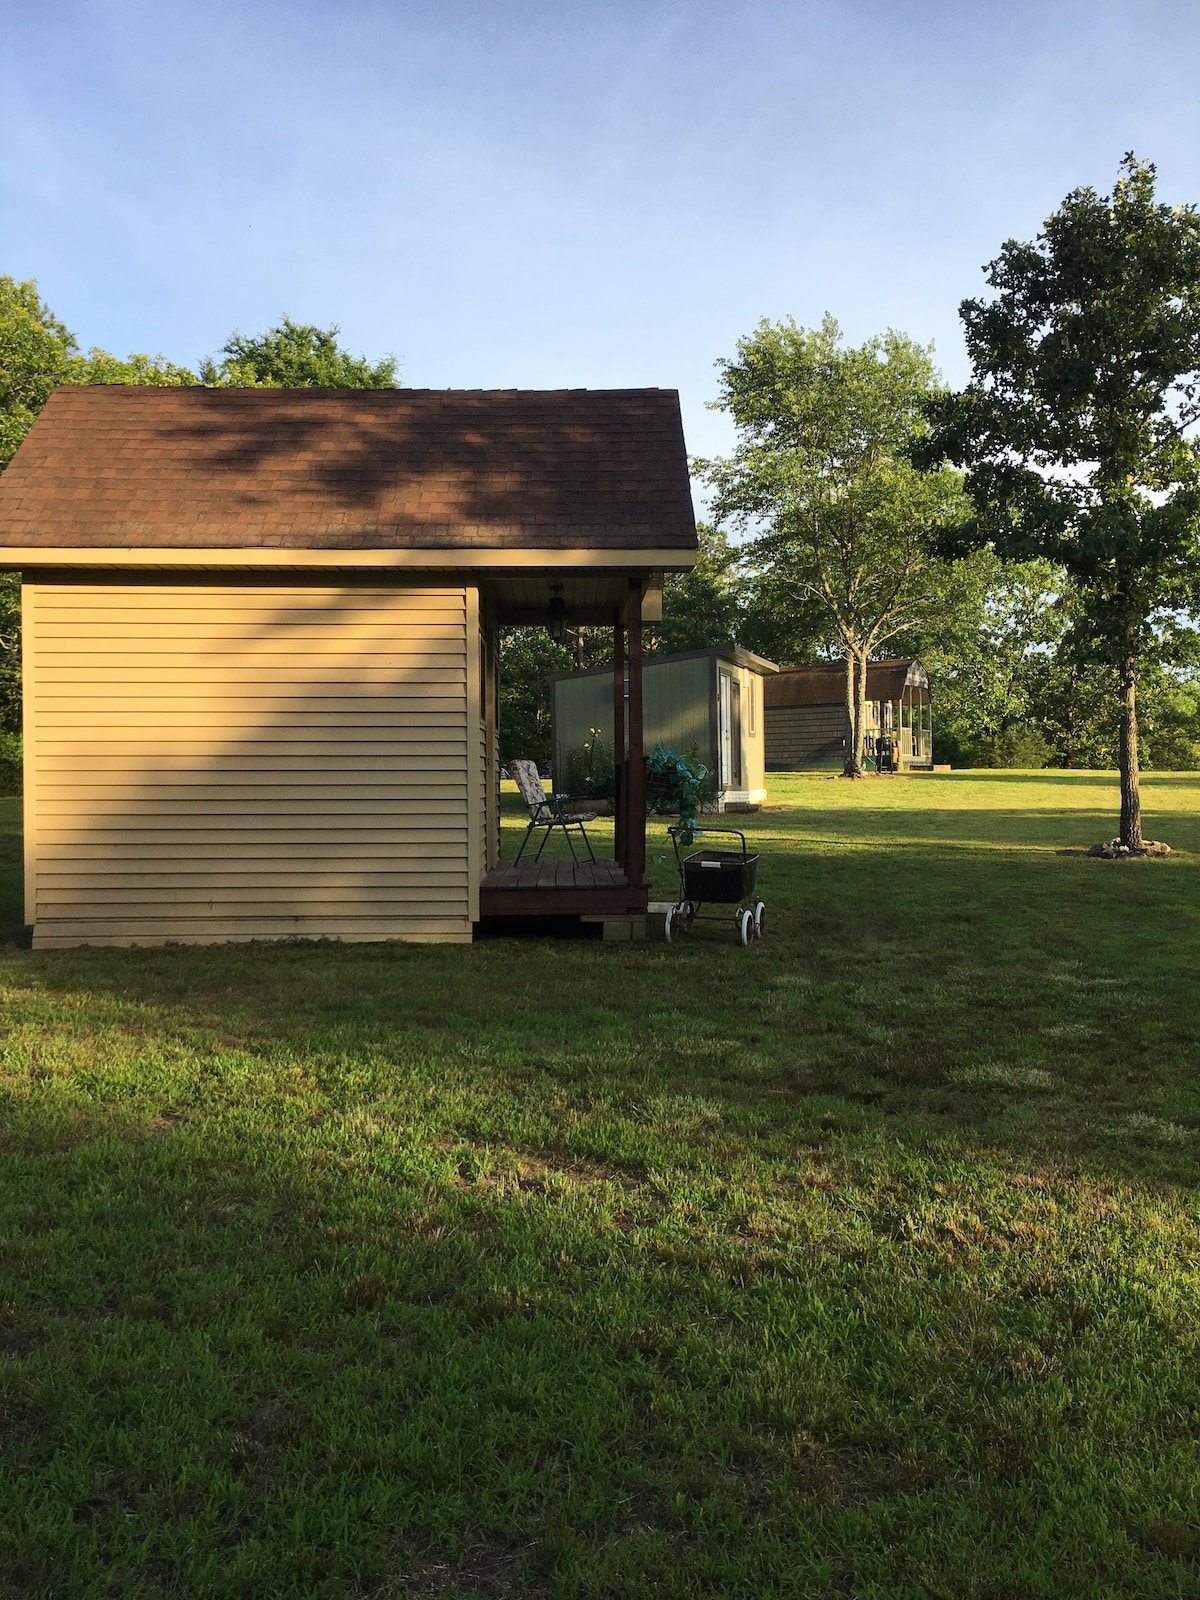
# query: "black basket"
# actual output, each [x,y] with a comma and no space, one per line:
[719,877]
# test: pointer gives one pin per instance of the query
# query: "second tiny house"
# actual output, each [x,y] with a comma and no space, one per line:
[706,702]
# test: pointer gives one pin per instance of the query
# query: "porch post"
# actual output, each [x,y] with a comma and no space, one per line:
[620,771]
[635,841]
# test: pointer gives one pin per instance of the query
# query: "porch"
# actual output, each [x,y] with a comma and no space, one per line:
[559,889]
[613,889]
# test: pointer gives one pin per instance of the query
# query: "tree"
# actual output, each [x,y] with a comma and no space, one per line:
[987,646]
[38,352]
[822,462]
[705,607]
[526,656]
[1074,429]
[295,355]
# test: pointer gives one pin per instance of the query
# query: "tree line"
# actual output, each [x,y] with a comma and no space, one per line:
[1033,537]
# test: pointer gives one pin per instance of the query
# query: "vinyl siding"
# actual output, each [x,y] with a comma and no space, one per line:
[209,763]
[680,708]
[805,736]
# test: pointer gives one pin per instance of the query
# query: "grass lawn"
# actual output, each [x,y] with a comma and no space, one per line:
[865,1261]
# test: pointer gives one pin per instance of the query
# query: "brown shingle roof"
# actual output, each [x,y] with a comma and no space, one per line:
[824,683]
[117,465]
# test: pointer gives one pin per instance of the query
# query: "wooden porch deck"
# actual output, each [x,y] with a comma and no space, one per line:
[558,889]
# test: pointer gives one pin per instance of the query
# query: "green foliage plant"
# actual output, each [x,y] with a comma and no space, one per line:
[1077,427]
[527,656]
[295,355]
[38,352]
[1015,747]
[821,477]
[705,608]
[589,768]
[673,785]
[10,763]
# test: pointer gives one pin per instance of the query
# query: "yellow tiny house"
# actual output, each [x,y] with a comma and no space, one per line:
[260,643]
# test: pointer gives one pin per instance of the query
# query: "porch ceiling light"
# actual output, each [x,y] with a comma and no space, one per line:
[556,614]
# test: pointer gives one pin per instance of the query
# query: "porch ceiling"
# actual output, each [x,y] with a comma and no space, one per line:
[589,596]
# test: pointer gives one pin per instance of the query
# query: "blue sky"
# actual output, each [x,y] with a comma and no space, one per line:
[512,194]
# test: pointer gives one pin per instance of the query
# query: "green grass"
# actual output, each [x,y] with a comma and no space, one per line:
[860,1262]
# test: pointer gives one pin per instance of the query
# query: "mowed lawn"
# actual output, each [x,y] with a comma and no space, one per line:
[865,1261]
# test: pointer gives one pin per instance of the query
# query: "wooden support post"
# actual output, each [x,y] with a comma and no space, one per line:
[620,771]
[635,843]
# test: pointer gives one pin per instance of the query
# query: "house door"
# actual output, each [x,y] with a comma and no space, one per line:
[729,710]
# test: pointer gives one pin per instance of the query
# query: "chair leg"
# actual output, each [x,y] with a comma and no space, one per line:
[587,841]
[545,837]
[570,845]
[524,842]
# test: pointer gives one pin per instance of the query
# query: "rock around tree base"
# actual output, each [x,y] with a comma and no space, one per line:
[1114,850]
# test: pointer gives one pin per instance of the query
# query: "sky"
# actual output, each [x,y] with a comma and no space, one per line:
[518,194]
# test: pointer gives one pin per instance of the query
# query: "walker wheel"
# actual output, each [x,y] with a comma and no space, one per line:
[760,919]
[745,924]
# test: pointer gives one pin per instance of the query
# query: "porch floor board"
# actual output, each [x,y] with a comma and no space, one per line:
[558,888]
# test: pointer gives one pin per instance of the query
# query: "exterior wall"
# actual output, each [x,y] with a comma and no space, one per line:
[816,736]
[805,736]
[676,701]
[678,698]
[210,762]
[750,791]
[680,708]
[578,704]
[487,723]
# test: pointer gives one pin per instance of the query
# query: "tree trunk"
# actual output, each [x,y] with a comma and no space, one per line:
[860,714]
[1131,799]
[853,763]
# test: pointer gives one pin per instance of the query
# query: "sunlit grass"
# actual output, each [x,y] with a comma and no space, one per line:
[862,1261]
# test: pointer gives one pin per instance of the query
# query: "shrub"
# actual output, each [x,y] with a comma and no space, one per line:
[589,774]
[1012,747]
[10,763]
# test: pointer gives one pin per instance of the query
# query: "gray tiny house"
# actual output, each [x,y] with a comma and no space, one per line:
[807,726]
[711,701]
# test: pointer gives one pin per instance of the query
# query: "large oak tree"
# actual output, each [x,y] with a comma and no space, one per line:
[1076,427]
[821,476]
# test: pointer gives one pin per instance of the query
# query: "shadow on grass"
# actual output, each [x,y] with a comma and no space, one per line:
[609,1272]
[858,1257]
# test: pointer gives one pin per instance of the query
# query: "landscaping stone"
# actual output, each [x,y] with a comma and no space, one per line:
[1114,850]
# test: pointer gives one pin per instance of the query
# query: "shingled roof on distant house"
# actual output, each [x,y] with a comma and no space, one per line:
[110,466]
[824,683]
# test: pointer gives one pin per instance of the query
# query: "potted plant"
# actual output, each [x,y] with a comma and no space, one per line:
[673,786]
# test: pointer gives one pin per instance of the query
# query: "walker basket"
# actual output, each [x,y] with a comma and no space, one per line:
[719,877]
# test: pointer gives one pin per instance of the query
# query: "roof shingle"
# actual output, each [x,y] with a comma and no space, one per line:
[824,683]
[122,466]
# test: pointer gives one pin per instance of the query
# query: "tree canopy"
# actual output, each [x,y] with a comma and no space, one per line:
[1075,429]
[38,352]
[295,355]
[821,477]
